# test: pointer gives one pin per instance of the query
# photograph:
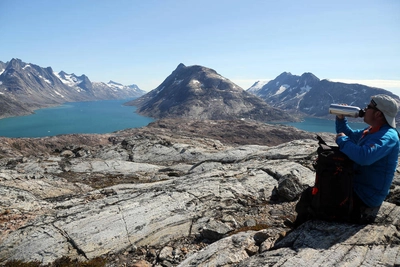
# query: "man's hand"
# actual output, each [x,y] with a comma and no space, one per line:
[341,117]
[340,135]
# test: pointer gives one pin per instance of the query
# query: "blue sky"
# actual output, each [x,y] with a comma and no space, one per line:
[142,42]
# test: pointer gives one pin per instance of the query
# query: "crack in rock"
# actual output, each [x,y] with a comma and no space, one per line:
[126,226]
[71,241]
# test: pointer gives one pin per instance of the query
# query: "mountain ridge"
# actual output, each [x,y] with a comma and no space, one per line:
[309,95]
[25,87]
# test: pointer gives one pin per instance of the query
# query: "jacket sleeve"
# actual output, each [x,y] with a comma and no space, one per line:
[376,147]
[343,127]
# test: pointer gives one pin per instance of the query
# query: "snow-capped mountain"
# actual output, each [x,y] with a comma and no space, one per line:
[311,96]
[69,79]
[25,87]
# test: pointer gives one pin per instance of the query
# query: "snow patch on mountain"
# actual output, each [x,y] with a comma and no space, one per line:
[115,85]
[177,82]
[257,86]
[196,83]
[46,80]
[306,88]
[57,93]
[159,90]
[68,79]
[282,89]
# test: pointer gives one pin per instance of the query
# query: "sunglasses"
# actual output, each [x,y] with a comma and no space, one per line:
[371,107]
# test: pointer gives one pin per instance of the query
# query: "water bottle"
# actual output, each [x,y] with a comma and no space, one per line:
[349,111]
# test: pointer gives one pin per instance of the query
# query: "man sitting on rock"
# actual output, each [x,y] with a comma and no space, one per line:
[375,152]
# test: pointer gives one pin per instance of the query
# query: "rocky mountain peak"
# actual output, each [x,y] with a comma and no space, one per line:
[180,66]
[309,75]
[15,63]
[134,86]
[49,69]
[85,83]
[183,72]
[2,67]
[200,92]
[112,82]
[284,75]
[62,73]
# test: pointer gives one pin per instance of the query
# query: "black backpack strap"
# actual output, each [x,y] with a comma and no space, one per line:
[322,144]
[320,140]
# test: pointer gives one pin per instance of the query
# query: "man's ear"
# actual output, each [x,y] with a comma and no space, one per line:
[378,114]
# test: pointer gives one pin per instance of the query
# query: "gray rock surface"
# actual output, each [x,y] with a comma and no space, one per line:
[171,199]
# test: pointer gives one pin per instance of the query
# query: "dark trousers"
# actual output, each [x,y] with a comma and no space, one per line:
[304,211]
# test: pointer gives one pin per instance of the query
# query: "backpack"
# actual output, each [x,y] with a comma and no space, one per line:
[332,193]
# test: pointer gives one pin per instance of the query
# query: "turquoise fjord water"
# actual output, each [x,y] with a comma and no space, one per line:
[78,117]
[324,125]
[109,116]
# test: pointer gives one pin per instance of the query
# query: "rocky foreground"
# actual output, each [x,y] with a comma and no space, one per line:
[178,193]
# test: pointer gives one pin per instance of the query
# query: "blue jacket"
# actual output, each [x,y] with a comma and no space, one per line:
[375,155]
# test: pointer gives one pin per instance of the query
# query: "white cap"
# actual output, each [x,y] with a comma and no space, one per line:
[388,106]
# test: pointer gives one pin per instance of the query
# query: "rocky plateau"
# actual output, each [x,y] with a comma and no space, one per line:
[178,193]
